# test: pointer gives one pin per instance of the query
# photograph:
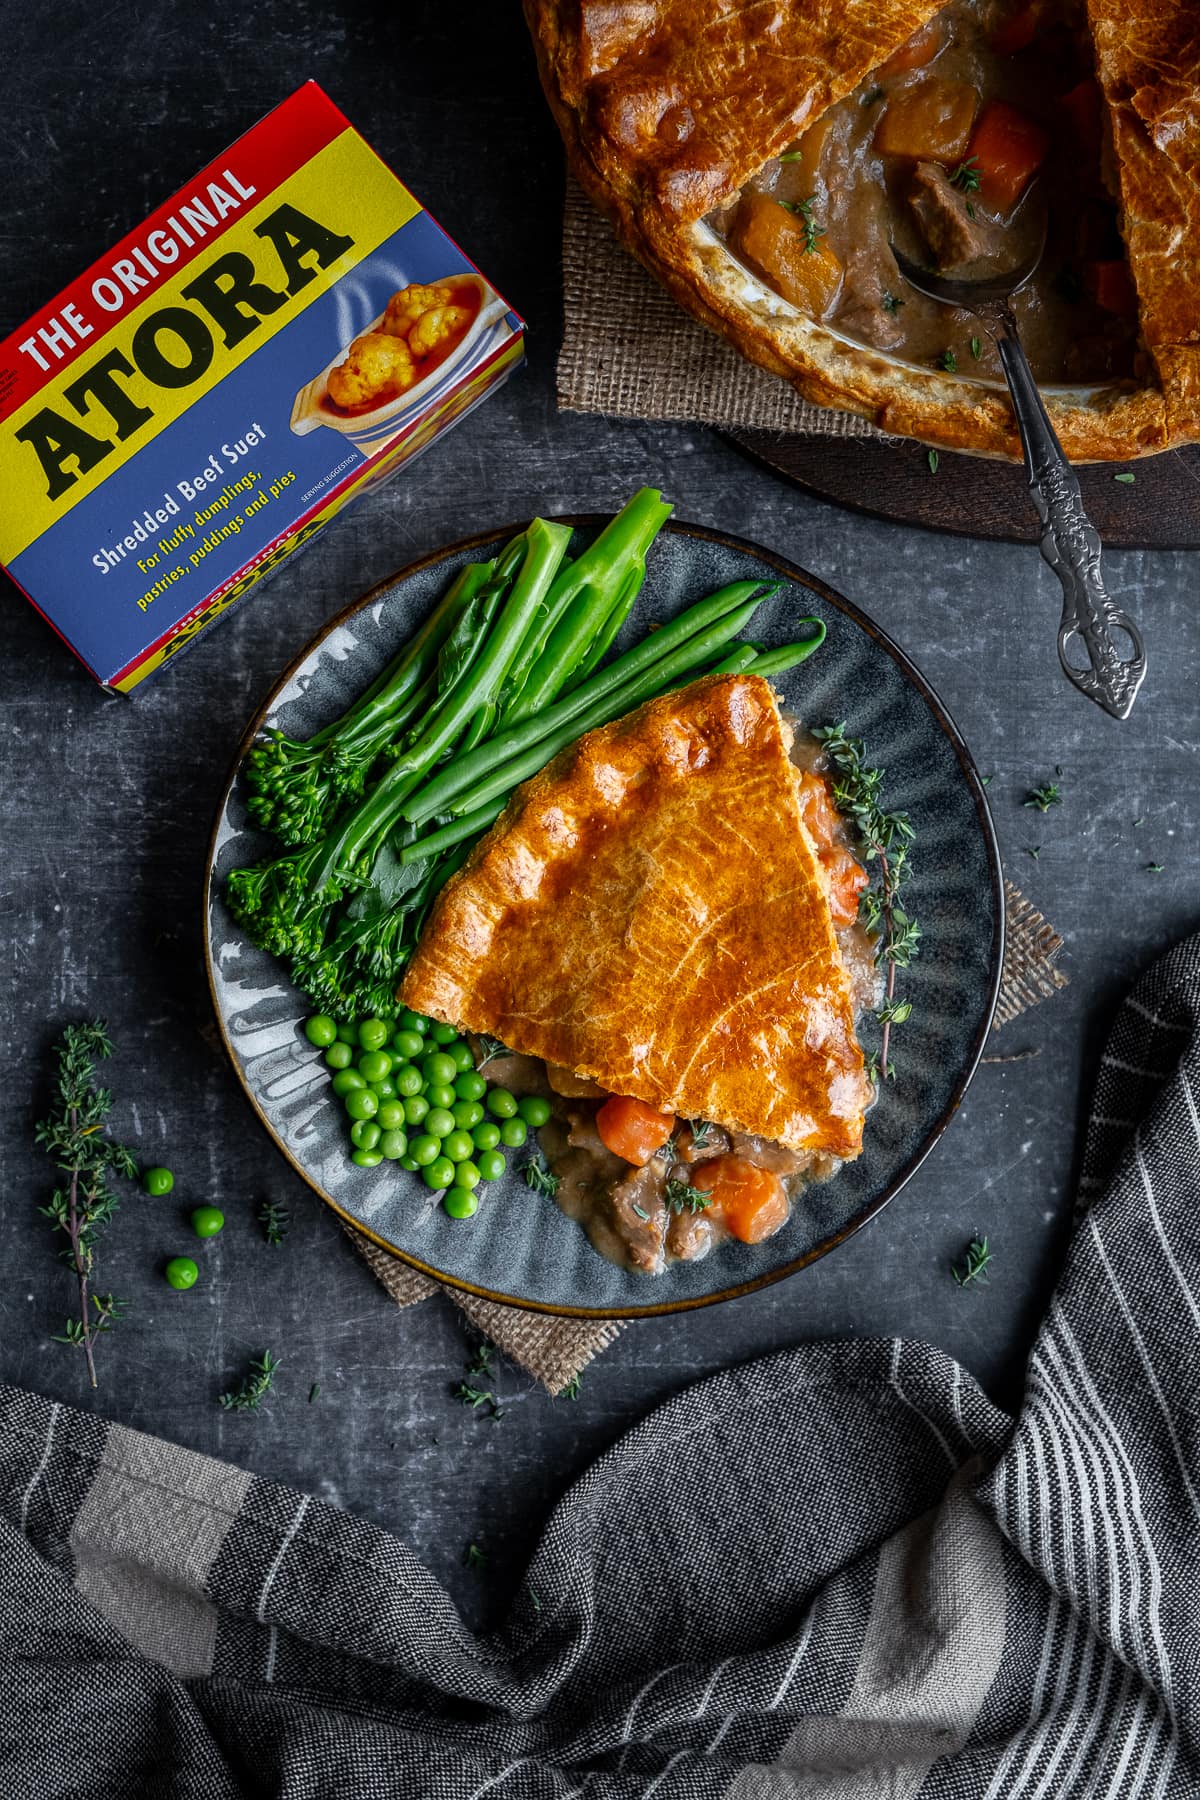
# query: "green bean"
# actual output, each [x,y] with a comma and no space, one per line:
[775,662]
[654,649]
[457,832]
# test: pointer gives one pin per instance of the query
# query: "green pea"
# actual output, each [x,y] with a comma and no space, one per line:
[458,1146]
[439,1174]
[362,1104]
[470,1086]
[347,1034]
[439,1069]
[513,1132]
[158,1181]
[413,1021]
[461,1203]
[467,1175]
[181,1272]
[460,1050]
[207,1221]
[385,1089]
[467,1114]
[364,1134]
[416,1109]
[391,1115]
[440,1094]
[408,1080]
[410,1163]
[393,1145]
[320,1030]
[375,1065]
[347,1081]
[339,1055]
[408,1044]
[501,1104]
[491,1165]
[366,1159]
[443,1034]
[424,1149]
[486,1135]
[373,1034]
[534,1110]
[439,1122]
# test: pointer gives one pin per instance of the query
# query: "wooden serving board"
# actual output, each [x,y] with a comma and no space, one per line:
[973,497]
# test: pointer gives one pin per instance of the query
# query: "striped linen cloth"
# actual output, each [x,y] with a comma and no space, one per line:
[835,1574]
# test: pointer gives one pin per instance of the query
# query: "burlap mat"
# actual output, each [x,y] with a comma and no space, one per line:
[555,1350]
[630,352]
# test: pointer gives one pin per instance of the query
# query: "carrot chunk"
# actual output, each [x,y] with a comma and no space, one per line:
[633,1130]
[1019,29]
[1008,148]
[930,121]
[753,1202]
[776,242]
[847,877]
[1081,114]
[1111,286]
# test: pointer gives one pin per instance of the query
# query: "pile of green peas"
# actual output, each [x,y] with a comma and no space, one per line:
[414,1096]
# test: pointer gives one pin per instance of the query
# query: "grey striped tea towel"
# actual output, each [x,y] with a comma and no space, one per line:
[836,1574]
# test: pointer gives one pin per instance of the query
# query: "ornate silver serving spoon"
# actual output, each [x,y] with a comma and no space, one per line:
[1070,542]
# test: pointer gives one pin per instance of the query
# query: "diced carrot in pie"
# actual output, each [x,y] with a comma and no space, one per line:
[633,1130]
[1080,108]
[775,241]
[929,121]
[804,160]
[753,1202]
[846,875]
[1111,286]
[920,49]
[1019,29]
[1008,148]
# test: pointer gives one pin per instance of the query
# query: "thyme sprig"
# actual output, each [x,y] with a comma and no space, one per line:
[703,1132]
[679,1194]
[536,1175]
[471,1393]
[966,176]
[254,1386]
[972,1270]
[885,838]
[275,1221]
[489,1049]
[803,210]
[1044,797]
[74,1135]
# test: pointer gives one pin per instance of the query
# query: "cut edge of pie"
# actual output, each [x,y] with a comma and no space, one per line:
[644,98]
[650,913]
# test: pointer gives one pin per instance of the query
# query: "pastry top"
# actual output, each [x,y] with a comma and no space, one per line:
[682,101]
[667,109]
[650,913]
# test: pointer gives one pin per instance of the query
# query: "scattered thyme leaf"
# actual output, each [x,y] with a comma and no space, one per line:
[313,1391]
[1034,850]
[972,1270]
[1155,868]
[1044,797]
[679,1194]
[931,457]
[275,1221]
[790,156]
[977,348]
[571,1390]
[254,1386]
[949,362]
[966,176]
[480,1366]
[1138,822]
[986,780]
[534,1598]
[871,96]
[1126,476]
[471,1393]
[890,302]
[474,1397]
[74,1136]
[640,1210]
[474,1557]
[970,205]
[536,1175]
[703,1132]
[489,1049]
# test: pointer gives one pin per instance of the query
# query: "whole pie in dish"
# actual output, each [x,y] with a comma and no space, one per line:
[762,159]
[660,931]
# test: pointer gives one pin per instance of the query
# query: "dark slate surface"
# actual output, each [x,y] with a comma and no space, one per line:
[107,805]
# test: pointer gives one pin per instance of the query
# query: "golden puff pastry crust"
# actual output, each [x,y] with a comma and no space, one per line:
[650,914]
[667,107]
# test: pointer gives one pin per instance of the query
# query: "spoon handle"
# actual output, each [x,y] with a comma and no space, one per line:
[1070,543]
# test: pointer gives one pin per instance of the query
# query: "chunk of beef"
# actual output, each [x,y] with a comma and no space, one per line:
[870,279]
[639,1215]
[941,213]
[771,1156]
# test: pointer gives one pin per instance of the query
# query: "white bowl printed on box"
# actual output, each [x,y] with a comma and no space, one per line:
[313,407]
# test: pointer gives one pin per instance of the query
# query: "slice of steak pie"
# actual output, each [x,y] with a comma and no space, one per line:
[650,914]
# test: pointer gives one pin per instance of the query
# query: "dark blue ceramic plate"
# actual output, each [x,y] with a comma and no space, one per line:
[519,1247]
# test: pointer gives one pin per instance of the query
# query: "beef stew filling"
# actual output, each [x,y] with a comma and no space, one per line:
[650,1189]
[987,123]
